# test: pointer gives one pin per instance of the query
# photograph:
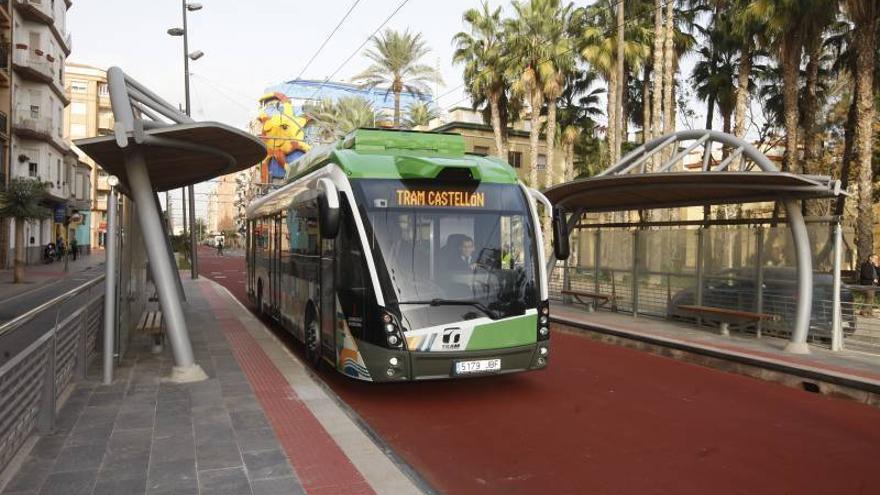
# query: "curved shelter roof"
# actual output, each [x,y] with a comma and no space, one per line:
[732,171]
[181,154]
[679,189]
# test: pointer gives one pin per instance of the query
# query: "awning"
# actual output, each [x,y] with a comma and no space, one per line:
[182,154]
[680,189]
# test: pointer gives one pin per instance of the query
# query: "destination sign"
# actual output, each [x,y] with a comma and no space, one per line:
[439,198]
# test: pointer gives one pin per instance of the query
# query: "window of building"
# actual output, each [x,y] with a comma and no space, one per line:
[481,150]
[78,108]
[35,111]
[32,169]
[103,89]
[542,162]
[78,131]
[514,158]
[78,86]
[58,176]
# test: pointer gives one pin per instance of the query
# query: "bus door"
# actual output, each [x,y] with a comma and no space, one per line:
[275,262]
[327,284]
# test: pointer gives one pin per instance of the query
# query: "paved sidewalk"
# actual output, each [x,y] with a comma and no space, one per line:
[854,370]
[259,425]
[37,276]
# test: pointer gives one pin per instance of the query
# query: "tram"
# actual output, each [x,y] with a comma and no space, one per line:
[395,255]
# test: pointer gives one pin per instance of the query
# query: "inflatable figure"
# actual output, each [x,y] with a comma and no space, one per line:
[283,132]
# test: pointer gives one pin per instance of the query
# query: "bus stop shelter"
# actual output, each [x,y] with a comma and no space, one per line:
[662,174]
[154,148]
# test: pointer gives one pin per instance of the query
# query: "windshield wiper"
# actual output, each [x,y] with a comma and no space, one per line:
[455,302]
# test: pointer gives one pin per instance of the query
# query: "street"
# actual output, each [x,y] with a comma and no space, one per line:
[606,419]
[18,299]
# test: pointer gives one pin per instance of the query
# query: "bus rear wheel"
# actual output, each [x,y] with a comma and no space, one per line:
[313,342]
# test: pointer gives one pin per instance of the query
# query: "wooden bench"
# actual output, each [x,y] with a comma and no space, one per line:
[727,316]
[598,299]
[151,322]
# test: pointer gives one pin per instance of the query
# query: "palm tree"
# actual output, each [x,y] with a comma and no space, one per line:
[482,51]
[563,64]
[21,202]
[419,113]
[864,16]
[578,104]
[336,119]
[536,63]
[396,66]
[597,24]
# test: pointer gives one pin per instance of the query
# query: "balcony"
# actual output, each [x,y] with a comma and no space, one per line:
[4,67]
[41,11]
[31,65]
[4,124]
[29,127]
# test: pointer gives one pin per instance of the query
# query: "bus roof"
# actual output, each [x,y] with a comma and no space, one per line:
[393,154]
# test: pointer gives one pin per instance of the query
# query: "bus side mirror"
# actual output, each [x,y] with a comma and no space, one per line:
[328,208]
[561,247]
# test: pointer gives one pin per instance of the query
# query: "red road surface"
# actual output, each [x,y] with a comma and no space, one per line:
[606,419]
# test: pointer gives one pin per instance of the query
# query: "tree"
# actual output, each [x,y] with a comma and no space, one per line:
[598,45]
[864,16]
[336,119]
[578,104]
[396,66]
[419,113]
[21,202]
[526,41]
[483,53]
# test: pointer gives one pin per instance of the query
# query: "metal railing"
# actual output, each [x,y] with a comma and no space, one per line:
[654,272]
[33,382]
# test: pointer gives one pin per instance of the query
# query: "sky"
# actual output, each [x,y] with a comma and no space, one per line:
[250,45]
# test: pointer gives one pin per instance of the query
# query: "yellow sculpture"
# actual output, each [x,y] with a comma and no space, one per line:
[283,132]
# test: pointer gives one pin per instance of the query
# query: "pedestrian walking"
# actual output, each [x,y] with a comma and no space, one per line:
[74,248]
[220,247]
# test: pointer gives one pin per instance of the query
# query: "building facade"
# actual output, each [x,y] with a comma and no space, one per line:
[89,115]
[221,205]
[480,140]
[5,112]
[39,45]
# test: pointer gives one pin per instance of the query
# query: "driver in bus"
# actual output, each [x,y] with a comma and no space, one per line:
[462,261]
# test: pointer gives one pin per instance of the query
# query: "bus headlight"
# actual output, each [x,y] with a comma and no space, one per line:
[543,320]
[543,351]
[393,340]
[393,361]
[390,328]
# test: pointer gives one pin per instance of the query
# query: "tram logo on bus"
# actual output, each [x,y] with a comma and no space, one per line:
[452,338]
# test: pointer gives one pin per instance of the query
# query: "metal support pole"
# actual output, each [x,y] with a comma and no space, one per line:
[635,273]
[798,343]
[759,279]
[700,248]
[194,255]
[110,286]
[836,324]
[82,354]
[185,369]
[597,258]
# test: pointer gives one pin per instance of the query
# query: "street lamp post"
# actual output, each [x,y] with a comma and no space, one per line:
[189,7]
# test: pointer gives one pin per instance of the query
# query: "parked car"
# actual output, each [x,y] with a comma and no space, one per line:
[735,289]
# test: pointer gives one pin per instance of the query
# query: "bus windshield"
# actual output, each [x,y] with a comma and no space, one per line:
[451,251]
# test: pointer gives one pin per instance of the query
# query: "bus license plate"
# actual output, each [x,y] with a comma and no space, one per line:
[480,366]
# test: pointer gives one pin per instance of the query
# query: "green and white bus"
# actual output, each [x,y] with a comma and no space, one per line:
[396,256]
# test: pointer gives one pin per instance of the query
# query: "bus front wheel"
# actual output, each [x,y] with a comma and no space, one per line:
[313,340]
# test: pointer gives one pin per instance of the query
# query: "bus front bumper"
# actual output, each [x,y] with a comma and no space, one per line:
[442,365]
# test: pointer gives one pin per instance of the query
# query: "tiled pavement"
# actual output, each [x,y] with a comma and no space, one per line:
[140,435]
